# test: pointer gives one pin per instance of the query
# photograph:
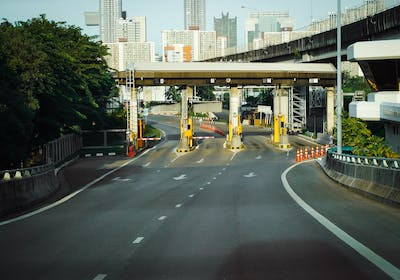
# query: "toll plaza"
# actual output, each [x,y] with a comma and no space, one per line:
[234,76]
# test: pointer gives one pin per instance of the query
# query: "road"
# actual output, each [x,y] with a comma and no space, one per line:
[207,214]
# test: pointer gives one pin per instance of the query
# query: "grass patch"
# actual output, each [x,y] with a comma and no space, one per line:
[151,131]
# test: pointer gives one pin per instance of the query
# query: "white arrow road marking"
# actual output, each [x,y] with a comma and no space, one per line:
[121,179]
[138,240]
[200,161]
[100,277]
[258,157]
[183,176]
[147,164]
[251,174]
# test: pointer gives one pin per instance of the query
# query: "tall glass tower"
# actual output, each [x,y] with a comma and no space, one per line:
[110,12]
[227,27]
[195,14]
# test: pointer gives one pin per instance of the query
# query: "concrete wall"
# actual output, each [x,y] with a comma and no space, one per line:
[375,181]
[18,194]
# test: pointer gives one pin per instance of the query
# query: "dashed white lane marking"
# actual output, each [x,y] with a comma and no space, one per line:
[158,171]
[214,178]
[178,206]
[147,164]
[258,157]
[162,218]
[201,188]
[181,177]
[360,248]
[219,173]
[250,175]
[191,195]
[100,277]
[208,183]
[138,240]
[200,161]
[121,179]
[224,168]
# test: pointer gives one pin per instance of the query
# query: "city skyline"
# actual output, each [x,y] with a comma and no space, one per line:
[170,16]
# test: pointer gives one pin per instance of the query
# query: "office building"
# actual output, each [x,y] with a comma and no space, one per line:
[259,23]
[226,27]
[200,44]
[133,30]
[110,12]
[195,14]
[123,54]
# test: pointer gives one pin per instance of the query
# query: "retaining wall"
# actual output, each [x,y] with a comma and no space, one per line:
[376,181]
[19,194]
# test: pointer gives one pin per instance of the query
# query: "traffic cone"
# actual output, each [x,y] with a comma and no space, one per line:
[306,153]
[322,151]
[298,156]
[312,152]
[317,154]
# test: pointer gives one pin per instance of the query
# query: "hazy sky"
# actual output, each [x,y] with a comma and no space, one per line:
[164,15]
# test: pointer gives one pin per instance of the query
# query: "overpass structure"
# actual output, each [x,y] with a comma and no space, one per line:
[322,47]
[232,75]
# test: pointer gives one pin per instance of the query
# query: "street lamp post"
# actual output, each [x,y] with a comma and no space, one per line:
[339,78]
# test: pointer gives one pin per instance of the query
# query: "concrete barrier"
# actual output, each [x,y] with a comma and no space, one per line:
[376,181]
[19,194]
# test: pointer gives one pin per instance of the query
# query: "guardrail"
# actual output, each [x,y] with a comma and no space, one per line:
[368,161]
[15,174]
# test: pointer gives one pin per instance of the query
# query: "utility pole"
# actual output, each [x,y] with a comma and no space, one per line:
[339,77]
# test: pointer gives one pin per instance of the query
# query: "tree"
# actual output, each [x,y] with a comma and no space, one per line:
[354,83]
[356,134]
[173,94]
[206,93]
[59,79]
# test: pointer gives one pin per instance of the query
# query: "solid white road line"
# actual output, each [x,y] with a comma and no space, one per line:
[68,197]
[162,218]
[138,240]
[360,248]
[100,277]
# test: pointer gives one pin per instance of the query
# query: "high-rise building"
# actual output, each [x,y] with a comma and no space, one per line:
[133,30]
[261,22]
[200,44]
[110,12]
[123,54]
[195,14]
[226,27]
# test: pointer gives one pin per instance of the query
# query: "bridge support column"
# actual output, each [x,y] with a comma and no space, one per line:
[186,139]
[281,112]
[330,110]
[234,137]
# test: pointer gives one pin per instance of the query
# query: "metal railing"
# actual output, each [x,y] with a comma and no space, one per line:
[391,163]
[55,152]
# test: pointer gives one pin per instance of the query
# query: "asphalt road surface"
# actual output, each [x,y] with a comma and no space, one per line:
[207,214]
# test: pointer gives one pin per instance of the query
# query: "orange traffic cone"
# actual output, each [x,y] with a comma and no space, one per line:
[317,154]
[298,156]
[312,152]
[306,153]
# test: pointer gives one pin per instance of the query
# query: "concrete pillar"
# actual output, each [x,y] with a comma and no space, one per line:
[281,115]
[184,145]
[234,140]
[330,110]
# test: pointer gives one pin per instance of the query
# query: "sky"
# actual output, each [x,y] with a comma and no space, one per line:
[167,15]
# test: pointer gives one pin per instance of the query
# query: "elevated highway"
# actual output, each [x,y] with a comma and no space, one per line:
[322,47]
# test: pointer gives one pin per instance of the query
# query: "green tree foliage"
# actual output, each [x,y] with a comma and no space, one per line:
[354,83]
[356,134]
[173,94]
[206,93]
[54,80]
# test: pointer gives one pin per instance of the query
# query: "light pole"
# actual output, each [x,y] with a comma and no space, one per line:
[339,78]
